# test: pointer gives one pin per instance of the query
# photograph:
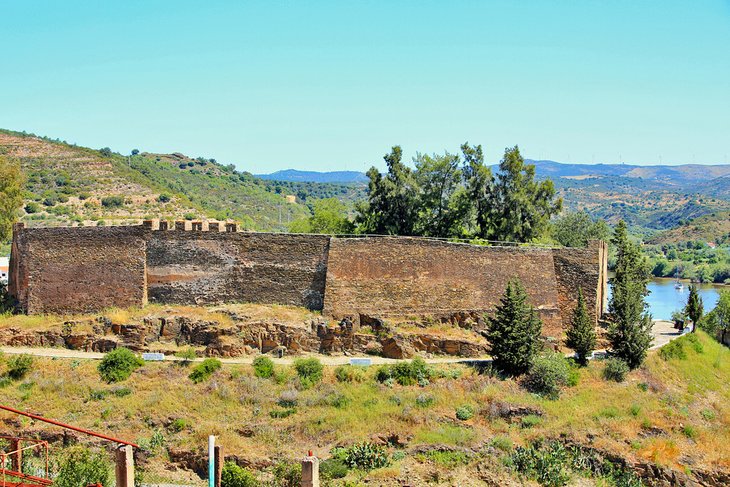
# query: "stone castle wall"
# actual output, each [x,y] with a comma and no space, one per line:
[71,270]
[411,276]
[61,270]
[211,267]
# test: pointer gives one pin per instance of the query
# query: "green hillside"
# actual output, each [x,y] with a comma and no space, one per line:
[71,185]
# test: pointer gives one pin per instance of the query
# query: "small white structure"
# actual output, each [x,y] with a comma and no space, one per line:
[4,265]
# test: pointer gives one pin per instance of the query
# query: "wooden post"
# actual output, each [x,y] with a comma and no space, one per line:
[219,460]
[16,459]
[125,466]
[310,471]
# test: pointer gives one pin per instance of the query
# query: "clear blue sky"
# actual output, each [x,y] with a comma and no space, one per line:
[332,85]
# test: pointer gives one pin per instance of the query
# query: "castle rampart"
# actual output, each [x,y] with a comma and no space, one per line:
[62,270]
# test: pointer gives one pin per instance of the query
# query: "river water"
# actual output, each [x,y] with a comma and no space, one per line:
[664,298]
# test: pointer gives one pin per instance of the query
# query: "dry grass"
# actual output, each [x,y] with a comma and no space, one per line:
[235,405]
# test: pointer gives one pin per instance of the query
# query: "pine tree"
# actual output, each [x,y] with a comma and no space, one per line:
[581,334]
[514,332]
[630,334]
[695,307]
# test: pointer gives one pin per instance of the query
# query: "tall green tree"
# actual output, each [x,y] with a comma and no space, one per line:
[717,321]
[523,205]
[479,185]
[630,333]
[329,216]
[514,331]
[11,195]
[392,206]
[581,333]
[443,202]
[576,229]
[695,308]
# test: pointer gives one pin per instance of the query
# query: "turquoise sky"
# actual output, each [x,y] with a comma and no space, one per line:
[332,85]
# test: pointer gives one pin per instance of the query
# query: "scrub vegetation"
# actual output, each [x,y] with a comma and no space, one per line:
[385,423]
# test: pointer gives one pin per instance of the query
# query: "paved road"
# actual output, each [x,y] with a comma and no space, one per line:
[664,332]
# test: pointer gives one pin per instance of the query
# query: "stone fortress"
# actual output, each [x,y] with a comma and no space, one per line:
[88,269]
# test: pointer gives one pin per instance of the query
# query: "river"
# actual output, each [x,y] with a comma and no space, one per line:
[664,298]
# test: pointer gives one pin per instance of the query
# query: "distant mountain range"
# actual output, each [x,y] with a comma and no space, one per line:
[677,175]
[296,176]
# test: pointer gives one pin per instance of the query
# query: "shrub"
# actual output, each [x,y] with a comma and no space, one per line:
[333,468]
[695,342]
[689,431]
[309,371]
[282,413]
[350,373]
[530,421]
[545,464]
[164,198]
[105,151]
[405,373]
[97,395]
[82,467]
[366,456]
[187,355]
[288,399]
[32,207]
[112,201]
[547,374]
[501,443]
[234,476]
[118,365]
[204,370]
[424,400]
[178,425]
[615,369]
[19,365]
[288,474]
[465,412]
[673,350]
[7,302]
[263,367]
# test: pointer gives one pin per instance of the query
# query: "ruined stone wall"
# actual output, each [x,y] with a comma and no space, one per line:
[411,276]
[66,270]
[204,267]
[585,269]
[56,270]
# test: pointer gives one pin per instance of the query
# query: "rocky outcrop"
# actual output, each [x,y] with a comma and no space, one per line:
[244,336]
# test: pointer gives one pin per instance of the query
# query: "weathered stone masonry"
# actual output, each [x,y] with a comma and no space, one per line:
[61,270]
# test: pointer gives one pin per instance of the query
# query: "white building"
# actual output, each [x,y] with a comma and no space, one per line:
[4,264]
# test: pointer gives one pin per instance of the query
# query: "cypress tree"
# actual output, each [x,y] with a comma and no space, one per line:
[630,333]
[514,332]
[695,307]
[581,334]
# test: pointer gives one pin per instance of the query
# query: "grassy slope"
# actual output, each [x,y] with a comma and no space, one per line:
[77,178]
[688,400]
[708,228]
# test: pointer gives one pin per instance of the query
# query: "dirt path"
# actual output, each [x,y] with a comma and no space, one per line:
[664,332]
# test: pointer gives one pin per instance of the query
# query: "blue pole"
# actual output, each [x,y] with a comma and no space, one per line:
[211,461]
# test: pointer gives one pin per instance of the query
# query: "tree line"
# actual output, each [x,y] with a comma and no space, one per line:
[457,196]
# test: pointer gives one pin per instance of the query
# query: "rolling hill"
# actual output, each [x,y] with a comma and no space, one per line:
[71,185]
